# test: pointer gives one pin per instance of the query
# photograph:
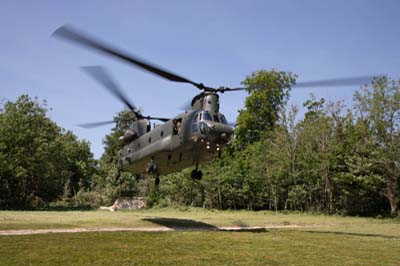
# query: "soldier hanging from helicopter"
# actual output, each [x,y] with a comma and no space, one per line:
[176,126]
[152,168]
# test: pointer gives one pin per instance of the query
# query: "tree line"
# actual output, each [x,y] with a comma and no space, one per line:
[332,159]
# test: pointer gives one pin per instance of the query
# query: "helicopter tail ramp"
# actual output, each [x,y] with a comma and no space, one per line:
[127,203]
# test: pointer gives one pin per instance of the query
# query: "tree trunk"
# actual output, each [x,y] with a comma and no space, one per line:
[391,195]
[392,200]
[219,196]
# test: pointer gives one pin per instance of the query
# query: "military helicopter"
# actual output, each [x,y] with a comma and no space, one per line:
[190,138]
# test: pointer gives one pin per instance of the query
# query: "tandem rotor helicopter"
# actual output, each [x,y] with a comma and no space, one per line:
[190,138]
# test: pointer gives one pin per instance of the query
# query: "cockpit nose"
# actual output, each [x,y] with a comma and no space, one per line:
[213,127]
[216,131]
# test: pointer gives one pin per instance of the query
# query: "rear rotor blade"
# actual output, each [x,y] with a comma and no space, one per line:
[338,82]
[68,33]
[101,75]
[96,124]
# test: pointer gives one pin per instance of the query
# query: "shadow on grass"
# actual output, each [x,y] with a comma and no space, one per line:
[192,225]
[353,234]
[180,224]
[248,230]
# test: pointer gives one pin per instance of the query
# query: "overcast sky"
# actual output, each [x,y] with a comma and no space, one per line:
[218,43]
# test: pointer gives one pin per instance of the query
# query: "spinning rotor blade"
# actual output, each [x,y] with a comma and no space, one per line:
[104,78]
[156,118]
[101,75]
[321,83]
[103,123]
[96,124]
[73,35]
[336,82]
[224,89]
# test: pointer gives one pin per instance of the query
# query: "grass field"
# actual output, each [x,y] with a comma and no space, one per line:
[323,240]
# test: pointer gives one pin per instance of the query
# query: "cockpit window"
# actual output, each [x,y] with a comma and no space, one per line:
[216,119]
[206,117]
[223,119]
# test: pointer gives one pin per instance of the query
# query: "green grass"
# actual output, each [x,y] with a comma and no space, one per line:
[91,219]
[276,247]
[334,241]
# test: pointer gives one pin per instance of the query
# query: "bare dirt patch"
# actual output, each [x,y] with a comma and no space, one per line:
[149,229]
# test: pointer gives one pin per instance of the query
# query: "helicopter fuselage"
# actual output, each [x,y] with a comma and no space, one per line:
[190,138]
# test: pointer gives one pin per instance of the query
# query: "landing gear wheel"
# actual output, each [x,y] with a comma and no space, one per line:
[199,175]
[196,174]
[193,174]
[157,181]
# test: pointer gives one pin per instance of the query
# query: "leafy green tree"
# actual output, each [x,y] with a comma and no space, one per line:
[358,184]
[78,163]
[379,108]
[314,136]
[268,92]
[38,158]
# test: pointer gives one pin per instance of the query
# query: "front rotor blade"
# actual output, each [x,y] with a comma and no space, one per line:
[230,89]
[104,78]
[73,35]
[336,82]
[96,124]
